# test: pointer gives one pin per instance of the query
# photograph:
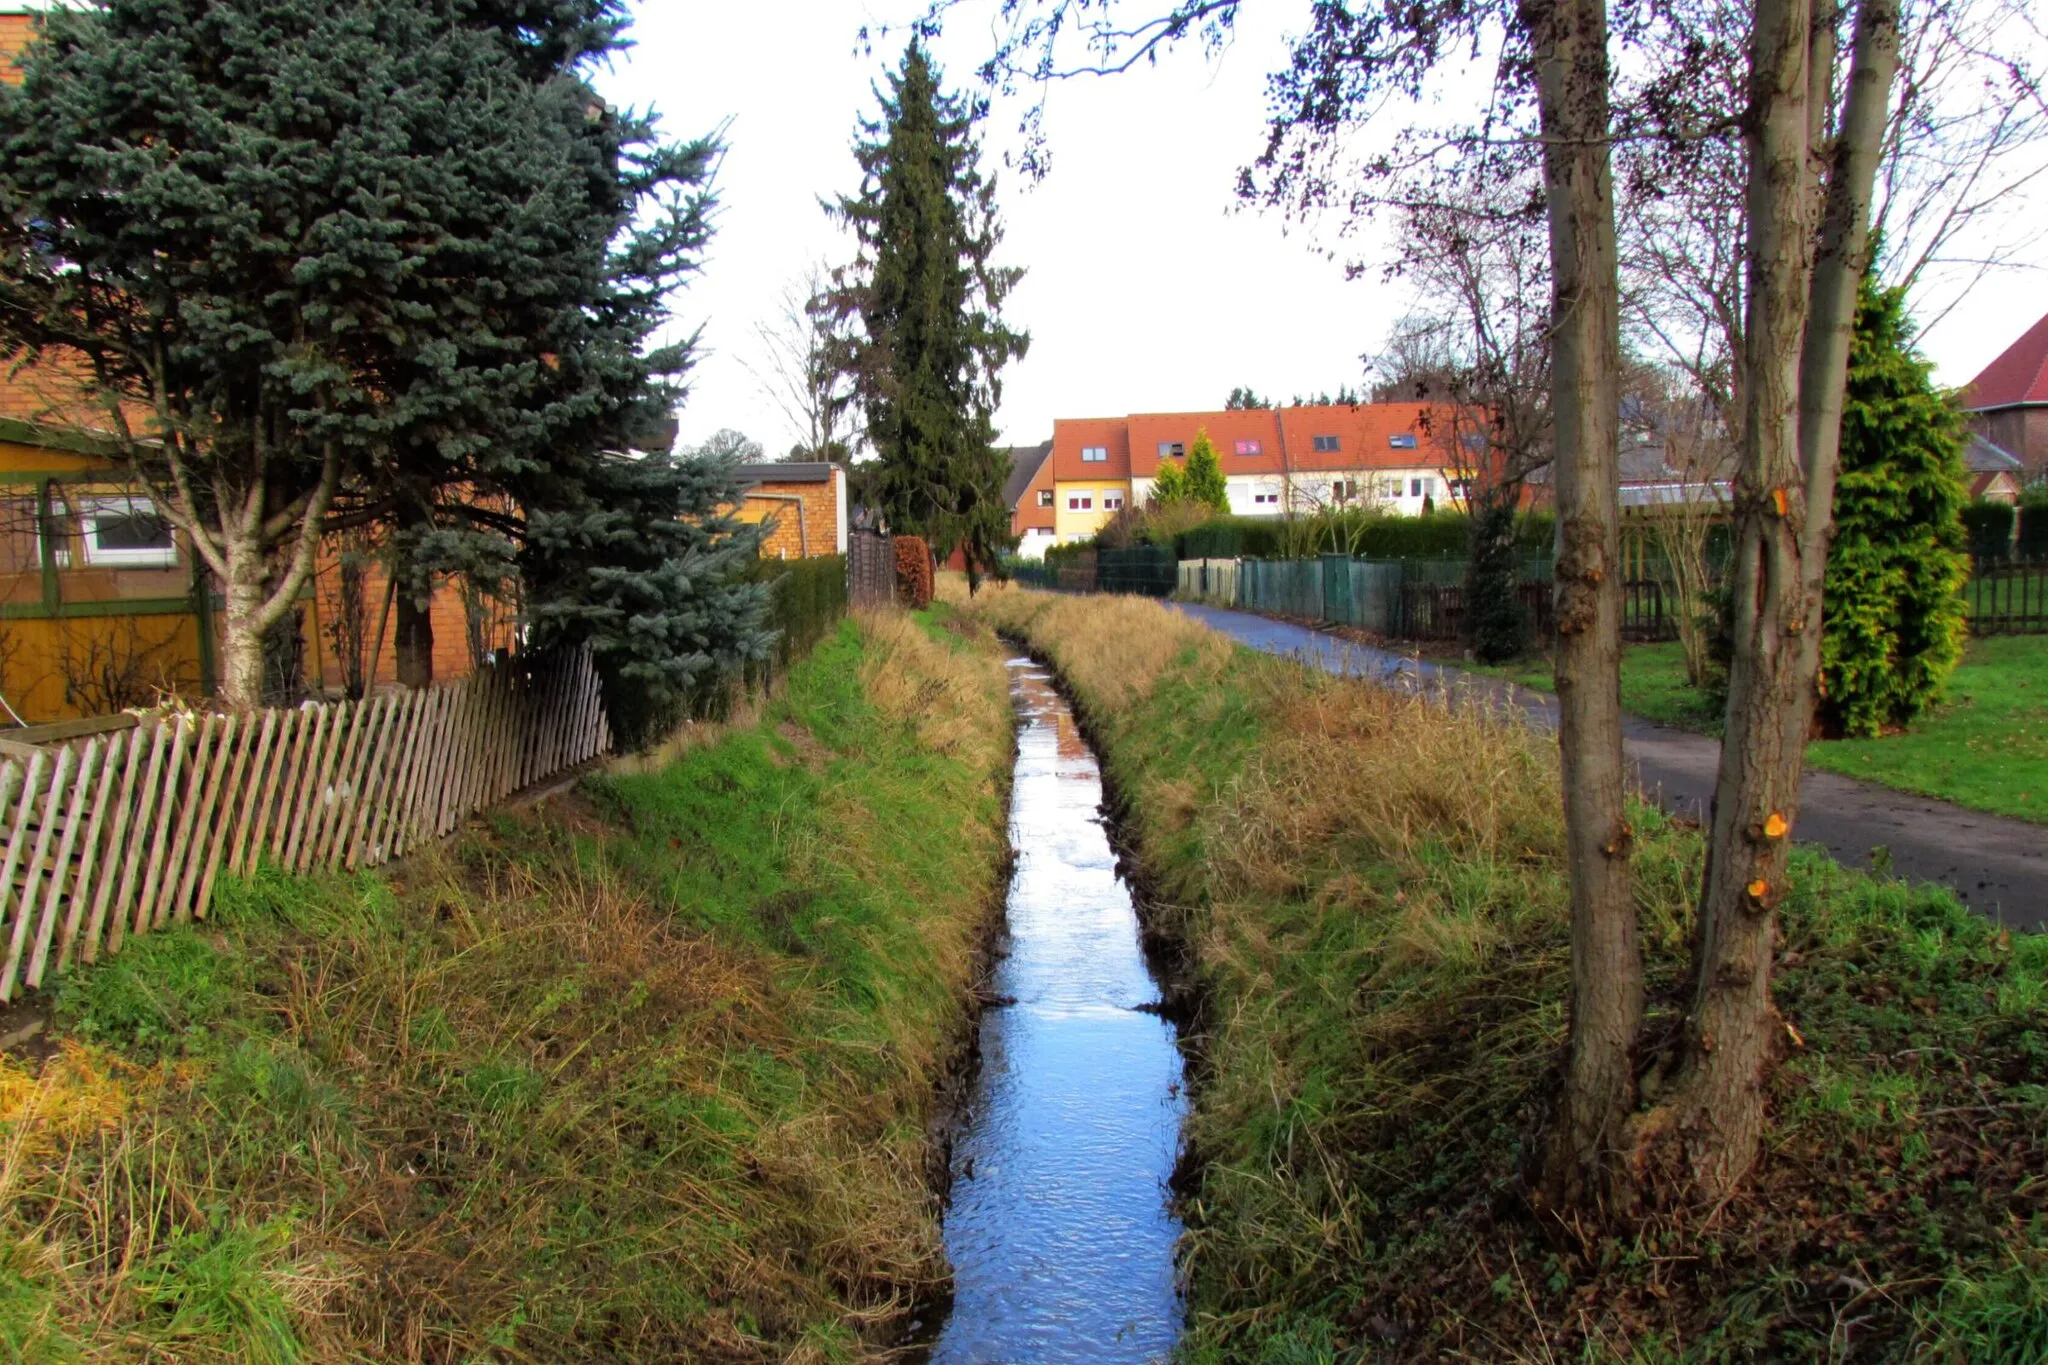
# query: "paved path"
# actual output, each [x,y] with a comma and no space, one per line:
[1997,865]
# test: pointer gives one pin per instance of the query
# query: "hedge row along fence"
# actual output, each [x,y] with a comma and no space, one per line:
[107,837]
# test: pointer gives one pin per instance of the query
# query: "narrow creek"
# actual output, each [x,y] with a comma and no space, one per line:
[1059,1228]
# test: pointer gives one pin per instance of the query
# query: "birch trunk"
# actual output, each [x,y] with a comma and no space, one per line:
[1583,1169]
[1796,361]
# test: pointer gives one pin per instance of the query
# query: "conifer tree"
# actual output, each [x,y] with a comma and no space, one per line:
[283,352]
[1169,483]
[1205,482]
[921,308]
[1893,625]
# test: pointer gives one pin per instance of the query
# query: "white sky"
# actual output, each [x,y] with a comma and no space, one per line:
[1148,288]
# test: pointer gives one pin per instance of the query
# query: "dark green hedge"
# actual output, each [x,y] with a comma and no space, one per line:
[2032,541]
[1989,528]
[807,597]
[1439,535]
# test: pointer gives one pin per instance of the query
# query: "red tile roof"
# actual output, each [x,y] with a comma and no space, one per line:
[2018,376]
[1071,434]
[1285,438]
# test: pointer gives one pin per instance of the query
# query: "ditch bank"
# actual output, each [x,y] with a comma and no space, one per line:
[652,1071]
[1372,897]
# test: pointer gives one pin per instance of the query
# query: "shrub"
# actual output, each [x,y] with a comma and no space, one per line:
[2032,540]
[1989,526]
[1205,483]
[913,571]
[1894,621]
[1495,616]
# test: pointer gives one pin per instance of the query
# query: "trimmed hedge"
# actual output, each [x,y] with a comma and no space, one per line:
[1989,527]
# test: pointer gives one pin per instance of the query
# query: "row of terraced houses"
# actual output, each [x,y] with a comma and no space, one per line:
[1396,456]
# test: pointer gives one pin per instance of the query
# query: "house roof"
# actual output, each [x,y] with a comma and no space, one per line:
[1982,457]
[784,471]
[1025,462]
[2019,376]
[1070,435]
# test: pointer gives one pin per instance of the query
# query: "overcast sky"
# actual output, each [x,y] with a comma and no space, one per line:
[1147,289]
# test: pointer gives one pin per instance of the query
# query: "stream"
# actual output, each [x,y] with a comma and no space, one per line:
[1059,1228]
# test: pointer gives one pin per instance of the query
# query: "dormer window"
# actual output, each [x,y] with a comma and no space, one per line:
[1094,454]
[1249,448]
[1172,450]
[1402,440]
[1326,445]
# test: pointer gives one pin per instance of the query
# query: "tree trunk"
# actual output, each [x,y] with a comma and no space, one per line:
[242,626]
[1795,364]
[415,640]
[1583,1165]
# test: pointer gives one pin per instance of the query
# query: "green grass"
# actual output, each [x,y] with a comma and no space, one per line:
[1370,894]
[1984,746]
[647,1074]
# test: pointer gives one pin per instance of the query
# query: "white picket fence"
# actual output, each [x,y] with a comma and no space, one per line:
[108,837]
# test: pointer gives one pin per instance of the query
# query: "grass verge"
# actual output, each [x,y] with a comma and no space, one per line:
[644,1074]
[1985,746]
[1371,892]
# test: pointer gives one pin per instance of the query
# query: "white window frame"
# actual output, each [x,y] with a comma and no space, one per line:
[1401,440]
[1325,445]
[89,512]
[1046,498]
[1173,450]
[1112,502]
[1080,502]
[1250,447]
[1260,499]
[1094,454]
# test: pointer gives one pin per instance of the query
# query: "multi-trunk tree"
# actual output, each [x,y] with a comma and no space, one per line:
[921,313]
[1810,142]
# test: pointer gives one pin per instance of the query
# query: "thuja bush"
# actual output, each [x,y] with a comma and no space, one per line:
[913,571]
[1499,625]
[1894,611]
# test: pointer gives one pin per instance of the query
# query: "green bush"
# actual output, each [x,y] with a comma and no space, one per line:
[1495,617]
[1989,526]
[2032,540]
[1894,619]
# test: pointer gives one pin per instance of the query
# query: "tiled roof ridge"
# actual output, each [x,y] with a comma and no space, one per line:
[2019,374]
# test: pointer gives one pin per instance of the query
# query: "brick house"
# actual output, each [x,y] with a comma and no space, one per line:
[806,499]
[2008,401]
[1030,496]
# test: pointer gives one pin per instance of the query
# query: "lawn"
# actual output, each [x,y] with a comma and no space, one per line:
[1985,746]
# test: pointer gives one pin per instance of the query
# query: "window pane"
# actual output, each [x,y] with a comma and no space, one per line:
[132,530]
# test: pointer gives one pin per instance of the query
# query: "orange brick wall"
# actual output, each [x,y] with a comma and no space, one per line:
[820,518]
[450,621]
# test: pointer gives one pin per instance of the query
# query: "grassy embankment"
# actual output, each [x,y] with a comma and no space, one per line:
[1985,746]
[645,1074]
[1371,893]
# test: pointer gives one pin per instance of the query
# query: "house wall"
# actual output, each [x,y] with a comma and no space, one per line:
[2022,432]
[1078,523]
[823,523]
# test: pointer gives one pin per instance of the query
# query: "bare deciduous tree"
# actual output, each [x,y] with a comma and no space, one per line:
[798,366]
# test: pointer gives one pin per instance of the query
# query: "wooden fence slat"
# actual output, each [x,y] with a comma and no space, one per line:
[511,721]
[292,816]
[188,813]
[348,720]
[550,713]
[376,734]
[144,906]
[17,825]
[124,809]
[253,736]
[348,778]
[277,786]
[25,905]
[484,790]
[450,783]
[375,796]
[203,846]
[404,828]
[89,858]
[138,836]
[593,707]
[74,816]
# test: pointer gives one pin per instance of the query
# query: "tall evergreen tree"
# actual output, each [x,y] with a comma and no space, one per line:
[1893,625]
[921,306]
[380,261]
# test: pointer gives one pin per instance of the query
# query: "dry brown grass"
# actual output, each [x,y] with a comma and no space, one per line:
[1112,650]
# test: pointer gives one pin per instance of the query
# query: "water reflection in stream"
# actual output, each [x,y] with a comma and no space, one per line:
[1059,1231]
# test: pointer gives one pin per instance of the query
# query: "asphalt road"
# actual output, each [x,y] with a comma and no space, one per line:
[1997,865]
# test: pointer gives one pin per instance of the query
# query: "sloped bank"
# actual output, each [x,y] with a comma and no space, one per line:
[1371,894]
[646,1074]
